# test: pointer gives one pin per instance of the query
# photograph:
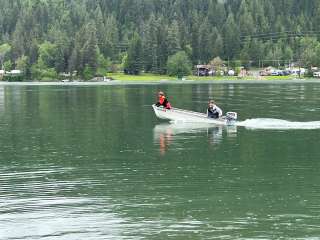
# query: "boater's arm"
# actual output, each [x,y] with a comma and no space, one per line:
[208,112]
[219,111]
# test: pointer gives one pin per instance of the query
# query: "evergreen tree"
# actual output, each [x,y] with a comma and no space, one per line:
[173,38]
[244,54]
[63,51]
[133,64]
[218,47]
[195,35]
[90,49]
[150,44]
[309,50]
[205,42]
[217,13]
[111,41]
[245,20]
[231,37]
[4,50]
[100,27]
[287,54]
[256,51]
[162,50]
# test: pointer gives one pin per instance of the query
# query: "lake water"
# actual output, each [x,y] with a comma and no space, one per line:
[93,162]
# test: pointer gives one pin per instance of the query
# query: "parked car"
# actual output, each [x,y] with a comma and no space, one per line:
[202,72]
[277,73]
[264,73]
[285,73]
[316,74]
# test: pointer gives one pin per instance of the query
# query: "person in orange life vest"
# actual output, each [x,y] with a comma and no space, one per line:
[163,101]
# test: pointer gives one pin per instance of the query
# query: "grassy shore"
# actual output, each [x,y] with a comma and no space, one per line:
[141,77]
[155,77]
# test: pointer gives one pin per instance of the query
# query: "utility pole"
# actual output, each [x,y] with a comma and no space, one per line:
[300,59]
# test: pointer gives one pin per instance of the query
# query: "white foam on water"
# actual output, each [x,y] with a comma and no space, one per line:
[271,123]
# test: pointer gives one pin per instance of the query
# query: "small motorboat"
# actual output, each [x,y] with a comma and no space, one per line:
[180,115]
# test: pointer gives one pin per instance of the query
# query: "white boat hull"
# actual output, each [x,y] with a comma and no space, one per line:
[180,115]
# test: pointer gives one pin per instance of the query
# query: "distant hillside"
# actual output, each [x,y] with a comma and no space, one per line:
[46,37]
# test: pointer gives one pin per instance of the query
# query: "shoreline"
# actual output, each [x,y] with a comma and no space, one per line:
[159,82]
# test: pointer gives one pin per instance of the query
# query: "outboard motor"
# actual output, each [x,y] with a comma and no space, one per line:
[231,117]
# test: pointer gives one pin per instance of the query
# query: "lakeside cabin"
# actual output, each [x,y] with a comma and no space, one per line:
[209,70]
[203,70]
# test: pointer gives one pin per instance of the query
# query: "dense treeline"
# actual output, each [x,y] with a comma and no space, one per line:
[45,37]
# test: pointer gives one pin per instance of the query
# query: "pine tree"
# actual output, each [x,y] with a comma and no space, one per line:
[205,42]
[195,35]
[217,13]
[150,43]
[4,50]
[111,41]
[244,54]
[231,37]
[63,52]
[18,40]
[256,51]
[162,50]
[316,18]
[246,20]
[133,63]
[173,38]
[90,49]
[218,47]
[101,30]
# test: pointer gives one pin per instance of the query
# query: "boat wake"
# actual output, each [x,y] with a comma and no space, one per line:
[180,116]
[271,123]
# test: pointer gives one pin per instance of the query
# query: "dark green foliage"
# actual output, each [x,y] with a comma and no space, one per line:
[72,35]
[179,65]
[133,63]
[4,51]
[232,37]
[173,38]
[9,78]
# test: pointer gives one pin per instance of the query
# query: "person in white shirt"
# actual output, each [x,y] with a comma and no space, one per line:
[213,110]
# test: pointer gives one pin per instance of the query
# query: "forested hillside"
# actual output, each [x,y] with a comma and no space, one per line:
[47,37]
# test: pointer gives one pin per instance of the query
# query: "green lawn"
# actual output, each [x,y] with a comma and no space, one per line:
[155,77]
[141,77]
[280,77]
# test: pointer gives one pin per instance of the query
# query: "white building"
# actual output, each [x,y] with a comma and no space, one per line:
[15,72]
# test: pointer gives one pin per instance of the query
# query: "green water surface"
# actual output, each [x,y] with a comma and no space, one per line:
[93,162]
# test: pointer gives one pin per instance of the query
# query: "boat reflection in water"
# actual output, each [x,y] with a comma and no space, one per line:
[168,133]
